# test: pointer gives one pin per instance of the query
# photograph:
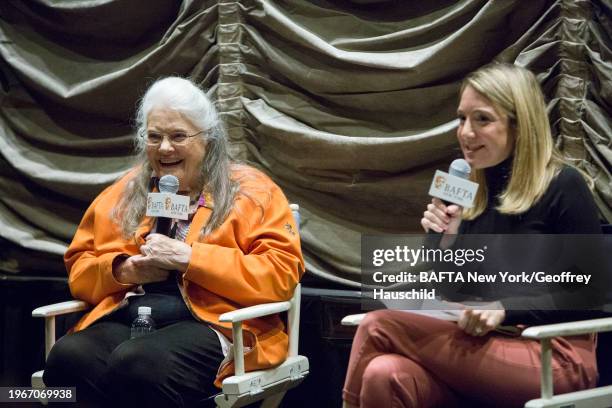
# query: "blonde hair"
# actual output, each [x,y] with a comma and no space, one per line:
[515,92]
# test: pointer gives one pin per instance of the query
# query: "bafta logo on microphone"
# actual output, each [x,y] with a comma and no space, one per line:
[453,189]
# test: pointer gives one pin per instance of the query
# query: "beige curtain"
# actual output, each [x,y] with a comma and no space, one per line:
[349,106]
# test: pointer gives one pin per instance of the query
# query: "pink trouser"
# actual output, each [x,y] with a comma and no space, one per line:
[401,359]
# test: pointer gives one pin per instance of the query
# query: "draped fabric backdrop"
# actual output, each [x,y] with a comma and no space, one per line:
[348,105]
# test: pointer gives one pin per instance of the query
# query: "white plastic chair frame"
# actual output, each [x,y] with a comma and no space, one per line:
[240,389]
[269,385]
[600,397]
[49,312]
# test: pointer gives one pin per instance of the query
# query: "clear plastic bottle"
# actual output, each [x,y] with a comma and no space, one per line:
[295,210]
[143,324]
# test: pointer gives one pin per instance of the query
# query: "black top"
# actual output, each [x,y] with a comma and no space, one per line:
[567,207]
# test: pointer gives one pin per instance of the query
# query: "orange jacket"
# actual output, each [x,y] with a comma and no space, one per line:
[253,257]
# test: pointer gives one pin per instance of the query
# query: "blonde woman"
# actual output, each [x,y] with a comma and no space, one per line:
[403,359]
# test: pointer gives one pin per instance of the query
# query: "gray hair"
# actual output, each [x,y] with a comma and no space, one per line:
[183,96]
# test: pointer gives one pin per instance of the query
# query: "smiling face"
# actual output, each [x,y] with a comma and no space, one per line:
[184,162]
[483,132]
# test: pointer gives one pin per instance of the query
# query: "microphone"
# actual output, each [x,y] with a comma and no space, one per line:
[167,184]
[454,186]
[167,204]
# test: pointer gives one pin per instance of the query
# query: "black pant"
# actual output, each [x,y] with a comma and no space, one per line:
[174,366]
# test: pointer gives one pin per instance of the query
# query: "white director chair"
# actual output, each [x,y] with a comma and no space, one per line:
[242,388]
[600,397]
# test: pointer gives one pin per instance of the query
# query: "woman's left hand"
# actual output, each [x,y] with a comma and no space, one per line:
[480,322]
[167,253]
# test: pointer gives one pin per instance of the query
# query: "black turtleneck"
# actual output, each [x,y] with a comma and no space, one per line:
[498,178]
[567,207]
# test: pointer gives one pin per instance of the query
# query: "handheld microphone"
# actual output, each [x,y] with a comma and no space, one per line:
[166,205]
[454,186]
[167,184]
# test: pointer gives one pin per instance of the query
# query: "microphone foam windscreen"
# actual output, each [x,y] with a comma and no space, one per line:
[169,184]
[460,168]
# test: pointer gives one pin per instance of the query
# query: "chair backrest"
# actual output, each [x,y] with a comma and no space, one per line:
[293,316]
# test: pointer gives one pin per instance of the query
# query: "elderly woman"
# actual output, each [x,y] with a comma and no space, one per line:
[238,248]
[404,359]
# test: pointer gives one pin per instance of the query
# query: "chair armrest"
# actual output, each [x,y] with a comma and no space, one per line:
[569,328]
[50,311]
[352,320]
[55,309]
[238,316]
[253,312]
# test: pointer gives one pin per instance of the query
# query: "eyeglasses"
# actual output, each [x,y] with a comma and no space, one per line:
[175,138]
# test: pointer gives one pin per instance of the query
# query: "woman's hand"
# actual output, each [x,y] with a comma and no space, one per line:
[441,218]
[138,270]
[480,322]
[166,253]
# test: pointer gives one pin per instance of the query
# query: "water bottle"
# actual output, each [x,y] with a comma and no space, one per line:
[143,324]
[295,210]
